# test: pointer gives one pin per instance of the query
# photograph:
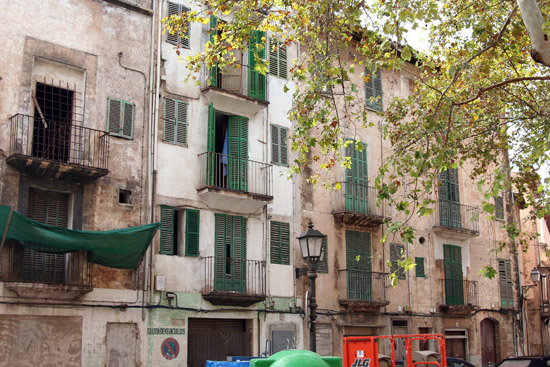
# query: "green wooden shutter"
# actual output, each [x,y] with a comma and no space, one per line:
[238,153]
[396,252]
[280,243]
[499,208]
[239,254]
[168,235]
[256,80]
[356,184]
[214,70]
[120,118]
[373,89]
[322,267]
[279,149]
[420,271]
[359,267]
[449,199]
[211,147]
[230,248]
[277,59]
[192,229]
[505,282]
[175,121]
[174,39]
[220,243]
[454,294]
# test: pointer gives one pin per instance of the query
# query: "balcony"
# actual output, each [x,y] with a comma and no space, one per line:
[57,150]
[233,282]
[237,90]
[456,220]
[235,184]
[356,205]
[41,273]
[458,297]
[362,290]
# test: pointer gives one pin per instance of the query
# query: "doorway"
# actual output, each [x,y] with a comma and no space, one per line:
[488,345]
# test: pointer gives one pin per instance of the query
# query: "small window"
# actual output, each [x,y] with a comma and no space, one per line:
[499,208]
[182,225]
[174,39]
[373,89]
[124,196]
[279,149]
[505,282]
[323,264]
[277,59]
[419,261]
[396,251]
[120,118]
[280,243]
[175,121]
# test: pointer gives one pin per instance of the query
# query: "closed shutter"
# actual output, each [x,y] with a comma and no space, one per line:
[120,118]
[454,294]
[359,267]
[280,243]
[211,147]
[322,267]
[279,149]
[505,282]
[420,271]
[277,59]
[230,249]
[499,208]
[373,89]
[256,80]
[356,184]
[449,199]
[168,235]
[175,39]
[175,121]
[192,229]
[396,252]
[214,70]
[238,153]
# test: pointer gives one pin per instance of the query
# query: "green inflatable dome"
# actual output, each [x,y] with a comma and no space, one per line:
[297,358]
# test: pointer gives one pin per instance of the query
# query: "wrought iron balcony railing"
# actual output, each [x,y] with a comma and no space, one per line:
[458,216]
[60,141]
[459,292]
[359,199]
[365,286]
[237,79]
[230,275]
[236,174]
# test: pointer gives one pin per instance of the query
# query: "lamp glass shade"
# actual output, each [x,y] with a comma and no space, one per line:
[535,275]
[311,244]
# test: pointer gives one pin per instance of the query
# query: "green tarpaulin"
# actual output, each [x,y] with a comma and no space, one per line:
[118,248]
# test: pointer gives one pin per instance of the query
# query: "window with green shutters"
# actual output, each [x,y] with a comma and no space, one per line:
[505,282]
[454,294]
[420,271]
[396,252]
[280,243]
[279,148]
[256,80]
[449,199]
[359,266]
[230,252]
[499,208]
[172,222]
[175,121]
[277,58]
[173,39]
[373,89]
[120,118]
[356,182]
[322,267]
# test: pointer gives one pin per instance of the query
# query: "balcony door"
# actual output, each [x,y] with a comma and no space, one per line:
[358,263]
[227,164]
[356,184]
[454,291]
[230,263]
[449,200]
[53,115]
[52,208]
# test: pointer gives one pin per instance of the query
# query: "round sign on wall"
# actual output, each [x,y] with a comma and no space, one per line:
[170,348]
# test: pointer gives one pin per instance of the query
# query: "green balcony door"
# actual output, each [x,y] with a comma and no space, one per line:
[359,266]
[230,263]
[256,80]
[238,153]
[356,184]
[454,291]
[449,200]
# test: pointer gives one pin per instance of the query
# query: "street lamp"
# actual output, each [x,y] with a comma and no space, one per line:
[535,277]
[311,245]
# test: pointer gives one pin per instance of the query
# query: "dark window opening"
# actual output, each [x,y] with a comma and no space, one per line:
[228,259]
[124,196]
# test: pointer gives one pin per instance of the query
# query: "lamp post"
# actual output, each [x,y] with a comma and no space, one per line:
[311,245]
[535,277]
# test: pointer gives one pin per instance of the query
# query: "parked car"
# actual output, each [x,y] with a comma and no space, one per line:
[527,361]
[457,362]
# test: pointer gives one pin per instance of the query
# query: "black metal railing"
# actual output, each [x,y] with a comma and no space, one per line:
[456,292]
[234,173]
[40,264]
[359,199]
[230,275]
[59,141]
[360,285]
[459,216]
[238,78]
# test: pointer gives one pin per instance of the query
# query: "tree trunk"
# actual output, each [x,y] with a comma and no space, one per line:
[533,20]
